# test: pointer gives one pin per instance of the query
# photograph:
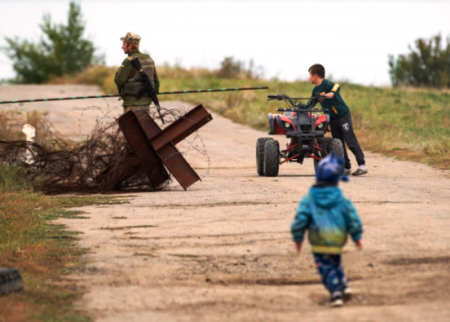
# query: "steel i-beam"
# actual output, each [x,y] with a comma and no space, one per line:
[155,147]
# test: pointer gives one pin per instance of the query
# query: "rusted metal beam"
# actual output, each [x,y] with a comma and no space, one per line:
[183,127]
[168,153]
[151,163]
[163,142]
[177,164]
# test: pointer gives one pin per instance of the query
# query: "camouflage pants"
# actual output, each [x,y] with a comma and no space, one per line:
[137,108]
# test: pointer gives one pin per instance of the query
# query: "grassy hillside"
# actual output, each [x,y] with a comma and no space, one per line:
[408,123]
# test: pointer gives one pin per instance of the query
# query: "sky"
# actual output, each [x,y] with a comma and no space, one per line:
[352,39]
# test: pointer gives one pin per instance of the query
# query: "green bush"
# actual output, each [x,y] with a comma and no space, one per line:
[62,51]
[13,178]
[426,66]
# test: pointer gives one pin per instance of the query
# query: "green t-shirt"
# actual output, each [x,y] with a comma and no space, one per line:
[125,72]
[335,107]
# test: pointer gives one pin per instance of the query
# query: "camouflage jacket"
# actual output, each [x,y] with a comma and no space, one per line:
[126,72]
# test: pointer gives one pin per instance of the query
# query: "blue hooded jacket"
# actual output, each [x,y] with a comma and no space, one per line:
[329,217]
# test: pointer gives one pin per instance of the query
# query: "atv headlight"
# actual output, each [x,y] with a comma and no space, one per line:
[320,126]
[287,124]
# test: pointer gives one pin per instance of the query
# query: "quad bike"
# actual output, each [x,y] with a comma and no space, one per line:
[305,133]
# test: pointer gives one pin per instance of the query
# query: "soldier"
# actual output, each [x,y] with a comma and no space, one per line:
[128,80]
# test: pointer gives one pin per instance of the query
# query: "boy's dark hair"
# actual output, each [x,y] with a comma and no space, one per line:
[318,70]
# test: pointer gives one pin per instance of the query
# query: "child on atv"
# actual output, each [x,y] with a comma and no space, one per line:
[340,117]
[329,217]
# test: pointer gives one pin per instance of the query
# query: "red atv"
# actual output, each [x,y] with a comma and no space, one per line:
[305,133]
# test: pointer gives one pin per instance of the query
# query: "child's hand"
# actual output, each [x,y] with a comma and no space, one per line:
[298,246]
[359,244]
[329,95]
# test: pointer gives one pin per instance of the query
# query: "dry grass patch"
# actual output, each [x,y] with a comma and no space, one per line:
[44,253]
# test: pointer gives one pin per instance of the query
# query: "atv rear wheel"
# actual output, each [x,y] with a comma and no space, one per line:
[271,158]
[328,144]
[260,155]
[336,145]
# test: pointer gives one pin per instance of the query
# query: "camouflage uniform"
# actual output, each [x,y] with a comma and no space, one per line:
[129,81]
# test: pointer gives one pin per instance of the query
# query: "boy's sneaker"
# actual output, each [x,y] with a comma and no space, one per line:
[336,301]
[347,294]
[359,172]
[362,169]
[348,171]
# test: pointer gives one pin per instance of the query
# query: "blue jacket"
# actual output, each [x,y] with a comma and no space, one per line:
[329,217]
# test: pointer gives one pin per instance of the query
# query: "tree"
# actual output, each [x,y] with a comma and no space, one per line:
[428,65]
[61,51]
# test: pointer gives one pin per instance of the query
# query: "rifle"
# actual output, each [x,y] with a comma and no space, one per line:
[148,88]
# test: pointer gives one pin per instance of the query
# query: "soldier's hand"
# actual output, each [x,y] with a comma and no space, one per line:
[329,95]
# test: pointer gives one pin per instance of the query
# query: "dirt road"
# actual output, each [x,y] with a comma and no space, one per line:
[222,250]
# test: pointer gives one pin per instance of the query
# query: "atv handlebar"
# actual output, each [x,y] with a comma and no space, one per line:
[313,99]
[281,97]
[301,110]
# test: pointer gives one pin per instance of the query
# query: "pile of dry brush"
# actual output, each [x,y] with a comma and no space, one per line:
[103,162]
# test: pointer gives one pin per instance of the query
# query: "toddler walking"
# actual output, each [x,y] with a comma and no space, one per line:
[329,217]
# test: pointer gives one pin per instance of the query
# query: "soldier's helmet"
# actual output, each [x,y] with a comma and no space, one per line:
[131,38]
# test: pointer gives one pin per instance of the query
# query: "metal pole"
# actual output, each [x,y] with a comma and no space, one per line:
[115,95]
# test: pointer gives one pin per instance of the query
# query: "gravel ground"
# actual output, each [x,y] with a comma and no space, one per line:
[222,250]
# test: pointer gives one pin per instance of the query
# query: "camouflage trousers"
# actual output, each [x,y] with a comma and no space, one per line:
[137,108]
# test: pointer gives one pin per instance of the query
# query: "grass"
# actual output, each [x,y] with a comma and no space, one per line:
[410,124]
[44,252]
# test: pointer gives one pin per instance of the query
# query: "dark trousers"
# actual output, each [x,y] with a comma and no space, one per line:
[342,129]
[330,269]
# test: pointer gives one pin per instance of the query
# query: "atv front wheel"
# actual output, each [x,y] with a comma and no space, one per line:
[260,155]
[328,145]
[271,158]
[336,145]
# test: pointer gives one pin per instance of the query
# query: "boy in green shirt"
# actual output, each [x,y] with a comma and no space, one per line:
[340,117]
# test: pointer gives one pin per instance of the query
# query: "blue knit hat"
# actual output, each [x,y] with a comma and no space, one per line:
[331,169]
